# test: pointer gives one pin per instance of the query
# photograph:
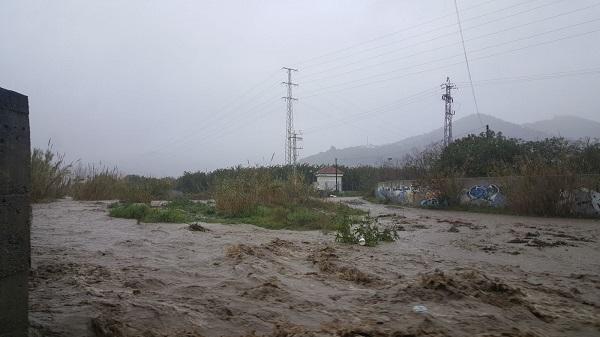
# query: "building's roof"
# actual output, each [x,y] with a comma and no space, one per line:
[329,170]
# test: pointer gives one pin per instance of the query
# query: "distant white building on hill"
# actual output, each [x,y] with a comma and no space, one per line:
[326,179]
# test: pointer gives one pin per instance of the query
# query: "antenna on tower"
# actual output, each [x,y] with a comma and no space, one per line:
[289,125]
[448,112]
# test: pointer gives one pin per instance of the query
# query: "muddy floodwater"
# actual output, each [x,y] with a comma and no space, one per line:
[449,274]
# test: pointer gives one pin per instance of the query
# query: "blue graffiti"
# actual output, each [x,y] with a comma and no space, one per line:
[489,195]
[431,202]
[482,192]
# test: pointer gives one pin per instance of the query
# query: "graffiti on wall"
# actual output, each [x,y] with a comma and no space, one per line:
[481,195]
[398,194]
[431,199]
[408,195]
[586,202]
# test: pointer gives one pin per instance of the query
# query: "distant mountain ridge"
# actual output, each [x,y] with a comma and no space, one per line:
[570,127]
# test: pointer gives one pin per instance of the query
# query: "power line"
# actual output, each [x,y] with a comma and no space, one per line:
[462,39]
[332,117]
[406,101]
[536,77]
[387,35]
[242,122]
[224,132]
[322,90]
[461,54]
[348,119]
[362,51]
[217,116]
[211,133]
[528,23]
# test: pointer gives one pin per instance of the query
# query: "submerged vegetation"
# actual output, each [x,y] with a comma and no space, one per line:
[256,197]
[144,213]
[252,198]
[351,229]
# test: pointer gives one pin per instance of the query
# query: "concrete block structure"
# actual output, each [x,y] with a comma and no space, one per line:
[329,179]
[15,213]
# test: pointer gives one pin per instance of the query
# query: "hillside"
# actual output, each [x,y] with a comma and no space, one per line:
[566,126]
[571,127]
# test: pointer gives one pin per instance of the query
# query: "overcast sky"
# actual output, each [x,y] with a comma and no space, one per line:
[159,87]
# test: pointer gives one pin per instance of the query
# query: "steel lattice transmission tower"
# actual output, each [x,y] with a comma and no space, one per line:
[448,113]
[289,125]
[296,137]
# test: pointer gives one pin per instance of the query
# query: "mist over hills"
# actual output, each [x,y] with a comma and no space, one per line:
[570,127]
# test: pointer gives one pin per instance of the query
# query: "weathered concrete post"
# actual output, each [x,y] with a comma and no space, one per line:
[15,212]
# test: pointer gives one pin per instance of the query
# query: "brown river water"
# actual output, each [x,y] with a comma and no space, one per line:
[476,275]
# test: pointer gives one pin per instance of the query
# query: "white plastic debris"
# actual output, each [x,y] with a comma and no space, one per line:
[361,241]
[420,309]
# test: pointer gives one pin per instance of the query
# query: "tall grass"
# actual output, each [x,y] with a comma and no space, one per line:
[241,195]
[98,182]
[50,174]
[540,189]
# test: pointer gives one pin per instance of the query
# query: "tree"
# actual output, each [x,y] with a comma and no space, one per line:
[478,155]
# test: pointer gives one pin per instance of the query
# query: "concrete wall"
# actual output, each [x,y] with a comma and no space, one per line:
[15,212]
[489,192]
[407,192]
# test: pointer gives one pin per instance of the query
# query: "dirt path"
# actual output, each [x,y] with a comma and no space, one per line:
[477,274]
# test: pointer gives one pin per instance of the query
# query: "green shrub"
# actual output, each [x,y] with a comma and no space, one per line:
[345,233]
[388,234]
[145,213]
[130,211]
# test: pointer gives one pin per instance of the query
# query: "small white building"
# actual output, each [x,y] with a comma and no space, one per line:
[327,178]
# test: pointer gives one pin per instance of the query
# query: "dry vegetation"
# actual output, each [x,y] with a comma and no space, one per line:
[53,178]
[50,175]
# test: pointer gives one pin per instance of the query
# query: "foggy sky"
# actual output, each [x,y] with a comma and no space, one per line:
[159,87]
